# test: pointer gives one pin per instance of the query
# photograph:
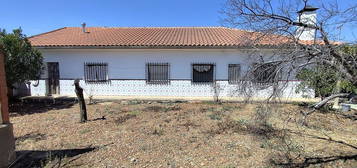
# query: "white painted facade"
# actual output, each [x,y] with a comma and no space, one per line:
[127,72]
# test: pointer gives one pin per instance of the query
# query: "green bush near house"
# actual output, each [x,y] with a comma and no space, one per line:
[22,61]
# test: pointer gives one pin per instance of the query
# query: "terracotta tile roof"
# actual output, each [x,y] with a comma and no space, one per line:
[153,37]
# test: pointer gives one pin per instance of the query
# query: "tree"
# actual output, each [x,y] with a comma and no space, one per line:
[325,80]
[22,61]
[282,21]
[82,104]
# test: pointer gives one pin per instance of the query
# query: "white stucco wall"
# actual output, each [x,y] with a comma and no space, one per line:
[130,64]
[127,71]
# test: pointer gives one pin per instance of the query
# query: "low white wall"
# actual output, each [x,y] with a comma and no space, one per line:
[176,88]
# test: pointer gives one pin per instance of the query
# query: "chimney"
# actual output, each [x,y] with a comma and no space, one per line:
[307,16]
[84,27]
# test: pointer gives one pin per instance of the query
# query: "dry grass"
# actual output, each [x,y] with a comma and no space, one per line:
[189,135]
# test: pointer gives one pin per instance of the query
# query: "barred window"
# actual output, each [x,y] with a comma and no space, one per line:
[265,73]
[95,72]
[233,73]
[157,73]
[202,73]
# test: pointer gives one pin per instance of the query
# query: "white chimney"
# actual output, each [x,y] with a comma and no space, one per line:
[84,27]
[307,16]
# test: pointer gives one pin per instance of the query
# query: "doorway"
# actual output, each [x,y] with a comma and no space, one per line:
[53,78]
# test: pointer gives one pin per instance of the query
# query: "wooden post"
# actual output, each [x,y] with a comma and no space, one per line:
[3,92]
[82,104]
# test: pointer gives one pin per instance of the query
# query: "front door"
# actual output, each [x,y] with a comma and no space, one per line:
[53,78]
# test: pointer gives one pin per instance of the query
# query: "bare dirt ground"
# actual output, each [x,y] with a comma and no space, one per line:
[190,134]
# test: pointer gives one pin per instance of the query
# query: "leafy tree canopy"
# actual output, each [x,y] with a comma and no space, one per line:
[324,78]
[22,61]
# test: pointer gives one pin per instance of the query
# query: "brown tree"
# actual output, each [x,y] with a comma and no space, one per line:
[305,39]
[82,104]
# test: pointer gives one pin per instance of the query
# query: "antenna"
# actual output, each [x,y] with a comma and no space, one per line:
[305,3]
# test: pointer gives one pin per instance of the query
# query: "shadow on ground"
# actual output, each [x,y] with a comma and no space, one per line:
[33,136]
[352,116]
[58,158]
[32,105]
[311,161]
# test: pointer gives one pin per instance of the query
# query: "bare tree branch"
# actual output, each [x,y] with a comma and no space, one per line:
[280,21]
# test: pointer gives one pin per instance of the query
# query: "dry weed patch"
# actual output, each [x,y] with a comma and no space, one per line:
[194,134]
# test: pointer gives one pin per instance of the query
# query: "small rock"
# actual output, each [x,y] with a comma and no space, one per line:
[133,160]
[124,102]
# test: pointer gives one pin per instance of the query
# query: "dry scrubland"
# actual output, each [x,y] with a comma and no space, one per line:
[191,134]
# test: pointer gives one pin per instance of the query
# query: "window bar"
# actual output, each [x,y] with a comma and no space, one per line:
[147,75]
[161,74]
[88,69]
[158,75]
[85,72]
[97,72]
[90,73]
[154,73]
[101,71]
[169,72]
[105,71]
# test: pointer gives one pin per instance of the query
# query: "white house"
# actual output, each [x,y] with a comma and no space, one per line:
[152,62]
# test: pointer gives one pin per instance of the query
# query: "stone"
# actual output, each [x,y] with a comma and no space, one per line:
[133,160]
[7,145]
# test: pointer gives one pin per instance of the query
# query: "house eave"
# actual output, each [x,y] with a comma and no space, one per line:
[164,47]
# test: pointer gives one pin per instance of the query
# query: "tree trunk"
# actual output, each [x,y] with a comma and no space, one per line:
[4,104]
[338,89]
[82,104]
[10,92]
[323,102]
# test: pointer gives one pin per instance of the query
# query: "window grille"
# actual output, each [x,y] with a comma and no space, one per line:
[95,72]
[234,73]
[265,73]
[157,73]
[202,73]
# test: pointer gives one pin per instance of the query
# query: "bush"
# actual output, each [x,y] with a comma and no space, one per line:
[262,115]
[215,116]
[22,61]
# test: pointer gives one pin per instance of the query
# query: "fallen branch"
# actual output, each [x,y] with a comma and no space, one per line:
[326,100]
[321,104]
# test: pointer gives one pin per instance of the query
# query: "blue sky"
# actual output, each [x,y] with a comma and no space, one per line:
[38,16]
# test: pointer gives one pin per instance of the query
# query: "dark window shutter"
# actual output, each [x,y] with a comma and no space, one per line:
[202,73]
[265,73]
[234,73]
[157,73]
[96,72]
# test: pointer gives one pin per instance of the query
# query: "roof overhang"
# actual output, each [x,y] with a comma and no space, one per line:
[165,47]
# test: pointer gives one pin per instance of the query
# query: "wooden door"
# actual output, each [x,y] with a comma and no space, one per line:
[53,78]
